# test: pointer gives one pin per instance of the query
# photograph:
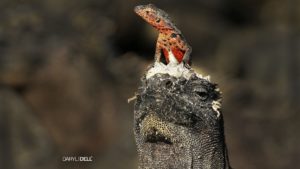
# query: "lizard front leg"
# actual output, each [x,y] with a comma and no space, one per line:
[157,55]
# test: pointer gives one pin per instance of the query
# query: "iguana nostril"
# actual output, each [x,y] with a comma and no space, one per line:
[168,83]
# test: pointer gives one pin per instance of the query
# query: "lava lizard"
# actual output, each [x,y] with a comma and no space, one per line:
[170,39]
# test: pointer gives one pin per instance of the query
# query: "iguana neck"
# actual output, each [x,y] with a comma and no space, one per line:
[173,146]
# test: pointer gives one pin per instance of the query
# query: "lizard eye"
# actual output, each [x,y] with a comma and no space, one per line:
[157,20]
[173,35]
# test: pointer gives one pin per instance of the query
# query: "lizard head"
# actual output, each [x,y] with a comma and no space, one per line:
[154,16]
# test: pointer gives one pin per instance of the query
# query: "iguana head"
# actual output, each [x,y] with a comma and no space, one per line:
[178,123]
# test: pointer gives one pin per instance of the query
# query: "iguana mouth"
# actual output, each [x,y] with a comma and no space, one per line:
[154,136]
[154,130]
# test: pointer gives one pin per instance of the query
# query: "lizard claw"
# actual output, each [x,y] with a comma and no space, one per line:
[186,64]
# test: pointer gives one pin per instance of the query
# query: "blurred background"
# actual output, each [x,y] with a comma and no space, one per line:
[67,69]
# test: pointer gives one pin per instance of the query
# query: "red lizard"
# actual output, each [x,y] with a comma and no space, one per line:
[170,40]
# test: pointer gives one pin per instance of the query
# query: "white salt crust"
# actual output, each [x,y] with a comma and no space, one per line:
[216,106]
[173,69]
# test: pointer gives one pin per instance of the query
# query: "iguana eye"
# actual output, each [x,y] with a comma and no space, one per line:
[202,93]
[157,20]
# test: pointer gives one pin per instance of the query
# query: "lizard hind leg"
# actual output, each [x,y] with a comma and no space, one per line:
[187,57]
[157,55]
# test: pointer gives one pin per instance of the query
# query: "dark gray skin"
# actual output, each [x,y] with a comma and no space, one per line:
[175,125]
